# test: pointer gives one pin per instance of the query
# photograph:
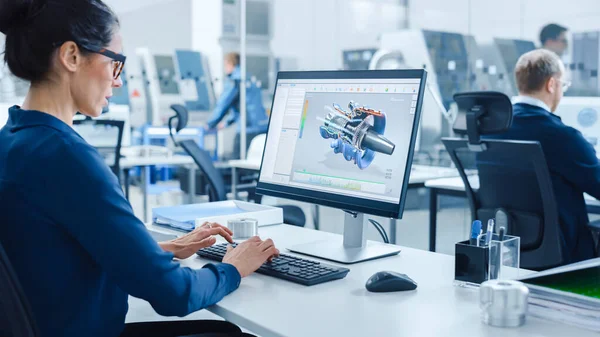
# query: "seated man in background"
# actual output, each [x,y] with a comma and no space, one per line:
[229,101]
[553,37]
[572,161]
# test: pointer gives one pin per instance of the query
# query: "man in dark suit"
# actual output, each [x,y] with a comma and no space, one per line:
[572,161]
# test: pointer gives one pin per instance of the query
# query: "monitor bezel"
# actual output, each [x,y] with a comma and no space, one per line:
[347,203]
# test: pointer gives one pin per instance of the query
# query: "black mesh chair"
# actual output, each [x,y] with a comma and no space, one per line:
[216,188]
[16,318]
[111,149]
[513,178]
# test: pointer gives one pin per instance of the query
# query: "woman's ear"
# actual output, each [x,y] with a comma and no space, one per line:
[69,56]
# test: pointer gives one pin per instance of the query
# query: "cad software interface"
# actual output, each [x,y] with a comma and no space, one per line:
[348,137]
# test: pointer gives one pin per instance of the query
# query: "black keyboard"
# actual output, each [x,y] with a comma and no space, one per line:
[286,267]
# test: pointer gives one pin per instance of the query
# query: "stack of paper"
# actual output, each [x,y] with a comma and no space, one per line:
[569,294]
[187,217]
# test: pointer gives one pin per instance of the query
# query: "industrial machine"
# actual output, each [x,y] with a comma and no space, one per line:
[358,59]
[585,63]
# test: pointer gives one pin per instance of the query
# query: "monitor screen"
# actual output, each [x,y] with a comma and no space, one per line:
[195,75]
[343,139]
[165,69]
[121,94]
[258,67]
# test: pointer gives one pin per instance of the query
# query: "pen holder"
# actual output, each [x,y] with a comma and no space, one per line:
[504,257]
[476,264]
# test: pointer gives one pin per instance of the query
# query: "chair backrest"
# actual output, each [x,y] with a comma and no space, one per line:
[16,317]
[182,117]
[513,179]
[202,158]
[106,136]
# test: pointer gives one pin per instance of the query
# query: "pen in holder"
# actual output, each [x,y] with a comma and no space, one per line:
[478,263]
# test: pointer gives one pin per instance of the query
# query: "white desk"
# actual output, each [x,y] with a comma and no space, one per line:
[174,160]
[419,174]
[129,162]
[271,307]
[454,187]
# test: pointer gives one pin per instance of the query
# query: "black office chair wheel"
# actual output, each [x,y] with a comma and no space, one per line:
[293,215]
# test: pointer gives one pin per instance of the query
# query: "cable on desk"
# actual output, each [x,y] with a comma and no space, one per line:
[381,230]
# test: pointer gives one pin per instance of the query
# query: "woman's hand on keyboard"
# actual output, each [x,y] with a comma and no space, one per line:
[249,255]
[201,237]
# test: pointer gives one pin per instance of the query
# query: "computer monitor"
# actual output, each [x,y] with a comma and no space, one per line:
[358,59]
[165,69]
[121,95]
[583,114]
[195,78]
[344,139]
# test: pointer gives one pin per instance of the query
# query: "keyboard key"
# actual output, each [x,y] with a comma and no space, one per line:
[287,267]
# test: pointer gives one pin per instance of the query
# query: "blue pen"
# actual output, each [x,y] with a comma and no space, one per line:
[490,231]
[475,231]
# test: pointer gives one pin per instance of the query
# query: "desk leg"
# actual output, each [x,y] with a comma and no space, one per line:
[393,225]
[126,182]
[145,193]
[191,184]
[433,208]
[316,216]
[234,179]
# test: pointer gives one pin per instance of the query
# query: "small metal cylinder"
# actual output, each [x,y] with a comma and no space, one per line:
[503,303]
[243,228]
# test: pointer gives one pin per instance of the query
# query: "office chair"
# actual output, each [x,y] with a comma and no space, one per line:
[16,318]
[215,189]
[514,179]
[102,148]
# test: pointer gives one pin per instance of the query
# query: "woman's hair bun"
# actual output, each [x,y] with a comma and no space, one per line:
[15,12]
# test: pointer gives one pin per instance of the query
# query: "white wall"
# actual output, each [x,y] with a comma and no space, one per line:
[486,19]
[124,6]
[316,31]
[162,27]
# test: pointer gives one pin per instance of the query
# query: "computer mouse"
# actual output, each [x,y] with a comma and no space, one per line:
[387,281]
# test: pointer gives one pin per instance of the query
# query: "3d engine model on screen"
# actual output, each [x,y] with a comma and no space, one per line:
[357,133]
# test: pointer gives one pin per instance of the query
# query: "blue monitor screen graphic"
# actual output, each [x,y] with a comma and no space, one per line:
[121,95]
[347,137]
[192,67]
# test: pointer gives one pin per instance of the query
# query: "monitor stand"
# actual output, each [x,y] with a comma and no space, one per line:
[355,247]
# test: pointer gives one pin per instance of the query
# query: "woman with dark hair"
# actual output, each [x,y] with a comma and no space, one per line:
[70,234]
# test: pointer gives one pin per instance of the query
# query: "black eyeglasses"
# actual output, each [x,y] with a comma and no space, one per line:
[118,60]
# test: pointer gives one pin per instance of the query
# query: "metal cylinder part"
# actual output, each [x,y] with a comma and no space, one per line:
[503,303]
[378,143]
[243,228]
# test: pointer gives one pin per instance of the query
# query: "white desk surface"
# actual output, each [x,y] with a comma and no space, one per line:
[421,173]
[272,307]
[245,164]
[418,175]
[456,184]
[137,161]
